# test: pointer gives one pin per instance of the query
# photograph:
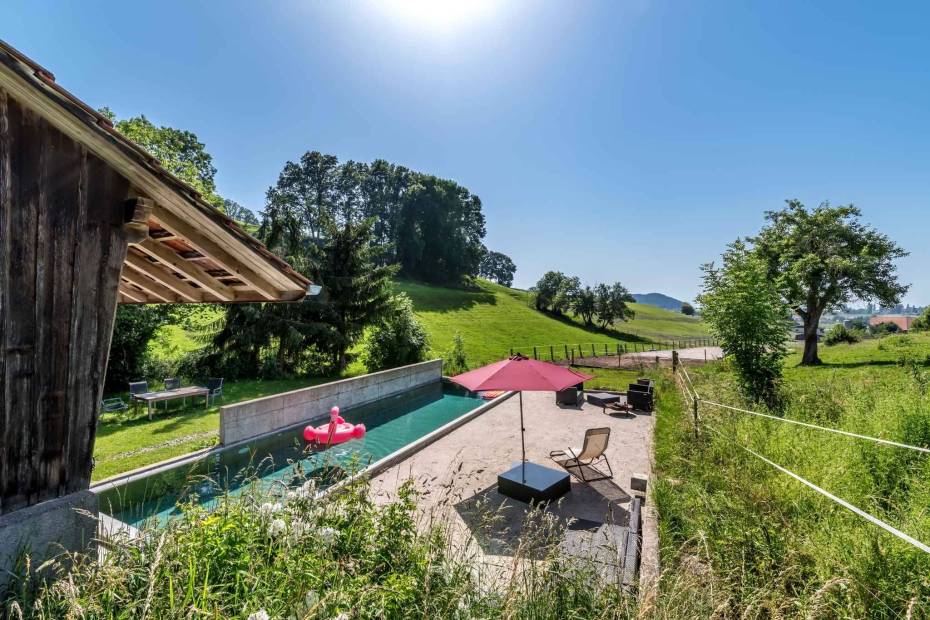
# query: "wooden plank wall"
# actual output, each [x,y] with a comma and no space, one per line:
[62,245]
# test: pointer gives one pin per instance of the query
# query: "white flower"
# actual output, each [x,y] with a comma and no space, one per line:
[291,496]
[298,529]
[311,599]
[307,489]
[261,614]
[277,527]
[342,616]
[267,509]
[328,535]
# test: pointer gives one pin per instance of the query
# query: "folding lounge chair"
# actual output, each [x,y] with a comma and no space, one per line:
[590,454]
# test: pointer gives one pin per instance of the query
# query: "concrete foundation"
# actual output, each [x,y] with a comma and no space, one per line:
[47,529]
[257,417]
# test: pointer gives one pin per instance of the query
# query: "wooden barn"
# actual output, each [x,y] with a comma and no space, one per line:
[88,220]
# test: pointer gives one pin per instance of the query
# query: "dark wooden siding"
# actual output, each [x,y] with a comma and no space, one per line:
[62,245]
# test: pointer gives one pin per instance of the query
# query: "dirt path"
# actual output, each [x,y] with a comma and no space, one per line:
[697,355]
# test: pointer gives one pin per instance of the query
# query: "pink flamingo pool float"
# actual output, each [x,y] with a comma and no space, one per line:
[335,431]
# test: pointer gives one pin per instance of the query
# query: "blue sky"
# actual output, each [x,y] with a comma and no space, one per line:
[611,140]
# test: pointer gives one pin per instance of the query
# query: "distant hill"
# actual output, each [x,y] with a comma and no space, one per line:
[493,318]
[658,299]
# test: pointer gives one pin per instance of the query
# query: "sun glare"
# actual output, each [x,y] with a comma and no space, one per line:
[439,16]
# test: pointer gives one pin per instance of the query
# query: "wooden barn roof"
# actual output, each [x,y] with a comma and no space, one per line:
[186,251]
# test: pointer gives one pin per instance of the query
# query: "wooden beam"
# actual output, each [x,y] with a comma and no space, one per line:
[192,272]
[163,277]
[137,215]
[196,239]
[152,288]
[132,294]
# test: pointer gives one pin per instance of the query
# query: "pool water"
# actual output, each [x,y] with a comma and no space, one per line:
[392,423]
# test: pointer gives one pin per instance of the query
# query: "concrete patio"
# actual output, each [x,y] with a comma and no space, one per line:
[458,478]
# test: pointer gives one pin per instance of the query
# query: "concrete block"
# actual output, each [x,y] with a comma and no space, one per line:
[46,529]
[638,482]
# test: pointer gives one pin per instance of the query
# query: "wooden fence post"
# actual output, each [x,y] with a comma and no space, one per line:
[535,356]
[566,351]
[593,352]
[694,411]
[674,361]
[580,351]
[511,351]
[573,356]
[551,353]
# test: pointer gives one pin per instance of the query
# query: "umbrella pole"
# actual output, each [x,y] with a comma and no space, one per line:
[522,439]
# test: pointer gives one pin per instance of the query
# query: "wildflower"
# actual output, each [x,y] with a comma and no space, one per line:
[267,509]
[261,614]
[291,496]
[277,527]
[342,616]
[298,529]
[328,535]
[308,488]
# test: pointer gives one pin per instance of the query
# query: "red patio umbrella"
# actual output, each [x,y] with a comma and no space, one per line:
[520,373]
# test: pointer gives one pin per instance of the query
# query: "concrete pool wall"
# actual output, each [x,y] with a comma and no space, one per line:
[252,418]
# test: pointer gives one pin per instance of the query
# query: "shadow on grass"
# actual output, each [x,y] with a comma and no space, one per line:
[863,364]
[609,332]
[455,300]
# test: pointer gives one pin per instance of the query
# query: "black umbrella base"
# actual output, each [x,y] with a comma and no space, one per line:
[529,482]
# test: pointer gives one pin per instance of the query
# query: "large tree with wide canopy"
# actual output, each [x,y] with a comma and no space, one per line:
[824,257]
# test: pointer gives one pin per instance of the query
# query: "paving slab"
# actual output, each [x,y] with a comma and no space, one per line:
[458,478]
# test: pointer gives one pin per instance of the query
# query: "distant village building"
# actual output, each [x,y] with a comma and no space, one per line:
[903,321]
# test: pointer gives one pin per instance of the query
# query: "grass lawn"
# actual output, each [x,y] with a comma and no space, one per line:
[129,440]
[495,319]
[739,535]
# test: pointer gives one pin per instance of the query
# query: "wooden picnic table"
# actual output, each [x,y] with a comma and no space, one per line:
[151,398]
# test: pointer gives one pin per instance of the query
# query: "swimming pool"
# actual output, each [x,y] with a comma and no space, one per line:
[392,424]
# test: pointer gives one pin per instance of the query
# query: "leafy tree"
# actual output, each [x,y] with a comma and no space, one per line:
[922,322]
[564,300]
[498,267]
[611,303]
[397,340]
[824,257]
[179,151]
[687,309]
[584,304]
[132,331]
[547,289]
[239,213]
[455,361]
[745,309]
[440,231]
[433,227]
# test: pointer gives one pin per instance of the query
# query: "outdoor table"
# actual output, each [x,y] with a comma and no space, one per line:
[150,398]
[531,482]
[602,399]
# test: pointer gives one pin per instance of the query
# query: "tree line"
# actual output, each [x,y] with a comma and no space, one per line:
[604,303]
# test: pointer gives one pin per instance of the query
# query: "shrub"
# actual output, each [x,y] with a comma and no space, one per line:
[455,361]
[745,310]
[398,340]
[883,329]
[838,334]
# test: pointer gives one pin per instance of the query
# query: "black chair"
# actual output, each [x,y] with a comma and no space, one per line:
[215,385]
[137,387]
[641,397]
[572,396]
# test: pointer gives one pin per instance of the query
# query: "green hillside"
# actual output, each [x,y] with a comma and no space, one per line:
[495,318]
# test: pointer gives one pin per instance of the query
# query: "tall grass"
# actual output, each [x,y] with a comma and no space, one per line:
[291,554]
[741,539]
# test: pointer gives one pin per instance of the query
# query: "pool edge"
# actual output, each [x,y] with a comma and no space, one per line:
[371,470]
